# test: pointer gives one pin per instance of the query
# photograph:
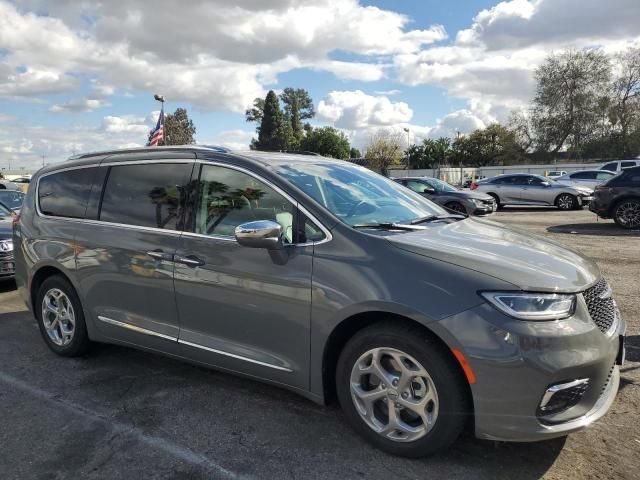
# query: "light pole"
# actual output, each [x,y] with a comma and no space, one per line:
[406,129]
[160,98]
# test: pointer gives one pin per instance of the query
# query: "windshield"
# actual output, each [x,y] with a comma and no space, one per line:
[11,199]
[441,186]
[4,212]
[357,195]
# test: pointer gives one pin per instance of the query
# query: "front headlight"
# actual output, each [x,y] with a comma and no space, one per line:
[6,245]
[533,306]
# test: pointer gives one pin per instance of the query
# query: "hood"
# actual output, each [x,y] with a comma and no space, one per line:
[527,261]
[6,228]
[469,194]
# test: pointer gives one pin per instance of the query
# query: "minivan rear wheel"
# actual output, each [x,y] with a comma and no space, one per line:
[401,390]
[60,317]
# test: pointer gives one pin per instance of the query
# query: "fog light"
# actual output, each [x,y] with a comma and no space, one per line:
[561,396]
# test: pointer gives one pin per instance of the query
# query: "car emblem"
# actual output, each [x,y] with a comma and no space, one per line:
[4,247]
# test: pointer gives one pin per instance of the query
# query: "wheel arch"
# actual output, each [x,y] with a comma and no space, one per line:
[351,325]
[38,278]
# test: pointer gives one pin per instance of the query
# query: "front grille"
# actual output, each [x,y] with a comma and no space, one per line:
[600,304]
[6,255]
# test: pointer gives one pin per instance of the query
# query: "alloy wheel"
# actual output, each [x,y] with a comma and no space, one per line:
[566,202]
[394,394]
[58,317]
[628,214]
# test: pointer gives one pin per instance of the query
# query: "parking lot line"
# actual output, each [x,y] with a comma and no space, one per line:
[177,451]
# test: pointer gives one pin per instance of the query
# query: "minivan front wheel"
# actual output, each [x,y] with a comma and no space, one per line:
[401,391]
[60,317]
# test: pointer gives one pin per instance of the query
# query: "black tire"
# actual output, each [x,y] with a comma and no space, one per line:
[499,206]
[450,384]
[456,207]
[626,213]
[80,342]
[566,201]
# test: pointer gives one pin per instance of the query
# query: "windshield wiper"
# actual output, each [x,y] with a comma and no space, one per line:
[433,218]
[388,226]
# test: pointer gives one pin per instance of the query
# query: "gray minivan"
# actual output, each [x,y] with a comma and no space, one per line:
[327,279]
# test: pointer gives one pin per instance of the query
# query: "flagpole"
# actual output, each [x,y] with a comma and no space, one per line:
[160,98]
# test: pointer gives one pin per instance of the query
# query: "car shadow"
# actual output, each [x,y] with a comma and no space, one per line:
[604,228]
[474,458]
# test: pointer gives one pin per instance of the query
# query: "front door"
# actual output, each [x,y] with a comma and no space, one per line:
[124,257]
[244,309]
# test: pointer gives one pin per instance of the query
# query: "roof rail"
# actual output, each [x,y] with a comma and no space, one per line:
[215,148]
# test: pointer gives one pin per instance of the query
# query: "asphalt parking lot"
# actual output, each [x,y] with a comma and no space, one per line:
[120,413]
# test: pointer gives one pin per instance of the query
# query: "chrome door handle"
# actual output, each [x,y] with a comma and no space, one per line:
[188,260]
[160,255]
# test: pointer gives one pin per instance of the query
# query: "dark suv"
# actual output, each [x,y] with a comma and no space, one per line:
[619,198]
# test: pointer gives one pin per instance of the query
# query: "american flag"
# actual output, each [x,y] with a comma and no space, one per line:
[157,134]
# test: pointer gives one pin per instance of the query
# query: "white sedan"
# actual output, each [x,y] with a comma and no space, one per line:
[586,178]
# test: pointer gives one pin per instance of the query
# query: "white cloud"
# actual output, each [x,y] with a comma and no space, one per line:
[353,110]
[236,139]
[218,55]
[79,105]
[491,64]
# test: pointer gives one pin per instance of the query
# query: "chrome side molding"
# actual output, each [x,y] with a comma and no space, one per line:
[146,331]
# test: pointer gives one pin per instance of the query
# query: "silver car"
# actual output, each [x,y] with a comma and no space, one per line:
[528,189]
[463,201]
[325,278]
[586,178]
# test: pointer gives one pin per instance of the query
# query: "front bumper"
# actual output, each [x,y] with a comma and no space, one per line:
[515,362]
[7,265]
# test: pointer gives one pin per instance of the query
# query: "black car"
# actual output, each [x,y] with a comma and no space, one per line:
[463,201]
[7,264]
[619,198]
[12,199]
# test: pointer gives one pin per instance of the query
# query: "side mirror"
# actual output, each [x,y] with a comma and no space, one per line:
[429,190]
[260,234]
[546,184]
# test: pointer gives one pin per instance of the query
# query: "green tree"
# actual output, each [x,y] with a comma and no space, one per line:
[272,132]
[417,156]
[625,111]
[254,114]
[383,151]
[354,153]
[492,145]
[298,106]
[327,141]
[565,108]
[178,128]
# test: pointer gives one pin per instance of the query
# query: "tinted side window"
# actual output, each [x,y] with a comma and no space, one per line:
[611,166]
[146,195]
[583,176]
[627,164]
[228,198]
[522,180]
[65,194]
[504,181]
[416,185]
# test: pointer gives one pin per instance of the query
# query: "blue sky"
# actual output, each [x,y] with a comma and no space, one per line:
[82,77]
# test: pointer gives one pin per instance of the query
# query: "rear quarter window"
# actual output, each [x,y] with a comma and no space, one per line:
[65,194]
